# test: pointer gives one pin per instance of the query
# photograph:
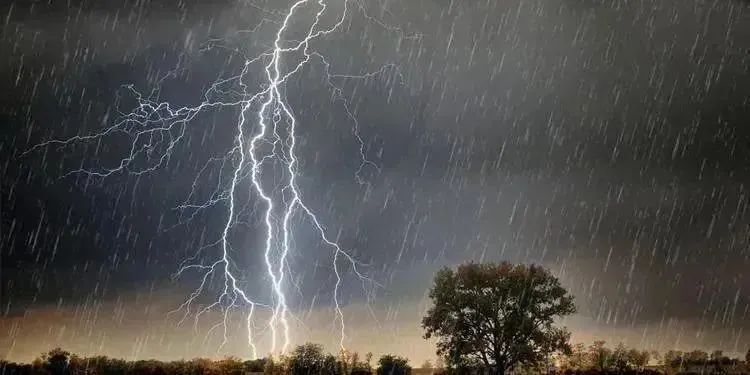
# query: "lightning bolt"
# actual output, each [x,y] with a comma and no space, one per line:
[265,136]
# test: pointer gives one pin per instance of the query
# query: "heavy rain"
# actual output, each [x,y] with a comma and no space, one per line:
[263,182]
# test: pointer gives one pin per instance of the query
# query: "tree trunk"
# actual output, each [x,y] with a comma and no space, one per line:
[497,369]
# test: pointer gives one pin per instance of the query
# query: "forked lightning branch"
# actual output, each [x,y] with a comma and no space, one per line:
[265,138]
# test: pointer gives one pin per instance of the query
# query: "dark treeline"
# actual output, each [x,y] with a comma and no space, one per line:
[306,359]
[310,359]
[599,358]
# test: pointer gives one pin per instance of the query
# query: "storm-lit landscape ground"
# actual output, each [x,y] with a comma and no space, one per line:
[513,186]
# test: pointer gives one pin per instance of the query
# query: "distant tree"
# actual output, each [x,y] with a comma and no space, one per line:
[331,365]
[347,361]
[621,358]
[393,365]
[499,315]
[37,364]
[306,359]
[77,365]
[97,364]
[576,359]
[600,356]
[275,367]
[368,361]
[747,358]
[673,361]
[696,358]
[201,366]
[56,361]
[358,367]
[639,358]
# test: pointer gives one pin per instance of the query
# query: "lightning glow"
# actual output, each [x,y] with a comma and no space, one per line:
[265,136]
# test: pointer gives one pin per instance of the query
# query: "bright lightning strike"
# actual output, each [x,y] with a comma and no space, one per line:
[265,136]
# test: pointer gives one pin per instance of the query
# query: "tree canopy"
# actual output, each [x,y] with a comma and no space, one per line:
[307,359]
[390,364]
[497,316]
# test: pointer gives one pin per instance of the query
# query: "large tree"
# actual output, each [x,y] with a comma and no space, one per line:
[497,316]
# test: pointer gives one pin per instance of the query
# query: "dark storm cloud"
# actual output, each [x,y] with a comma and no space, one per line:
[621,125]
[607,140]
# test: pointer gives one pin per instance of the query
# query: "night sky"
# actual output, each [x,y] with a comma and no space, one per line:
[606,140]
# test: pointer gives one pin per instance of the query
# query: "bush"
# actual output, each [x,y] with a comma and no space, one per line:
[393,365]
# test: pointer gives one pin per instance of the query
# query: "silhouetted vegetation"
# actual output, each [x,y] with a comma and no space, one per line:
[310,359]
[61,362]
[597,358]
[489,319]
[497,316]
[393,365]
